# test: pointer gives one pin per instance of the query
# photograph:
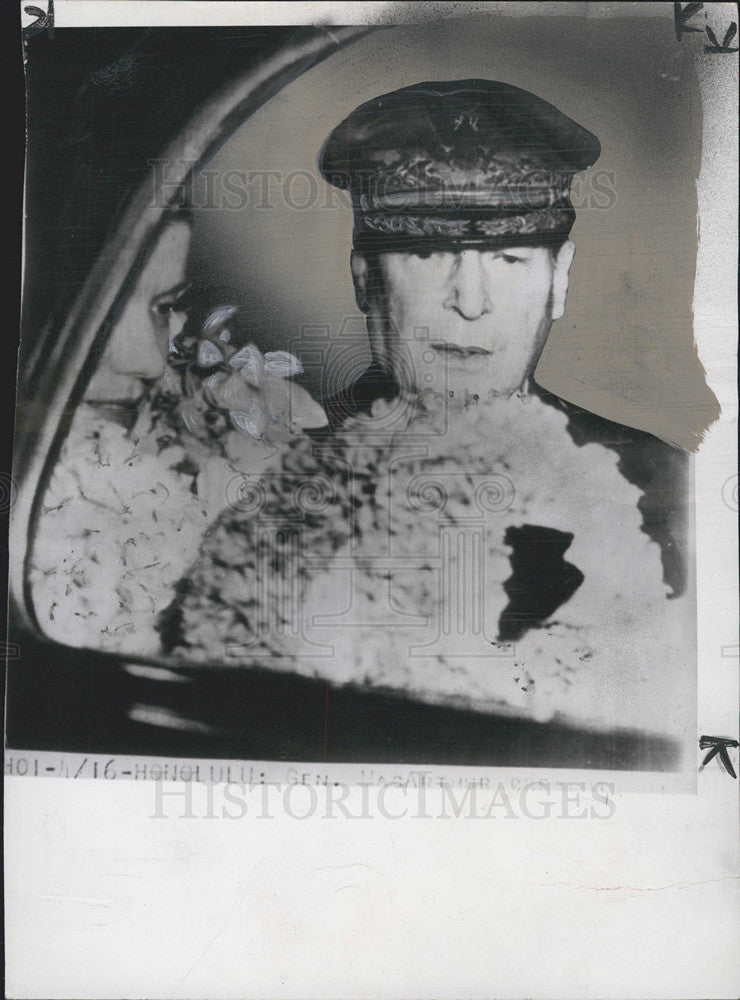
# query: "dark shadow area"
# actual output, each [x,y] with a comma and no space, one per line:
[541,580]
[75,701]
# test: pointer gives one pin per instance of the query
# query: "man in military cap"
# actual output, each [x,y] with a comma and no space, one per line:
[461,255]
[462,211]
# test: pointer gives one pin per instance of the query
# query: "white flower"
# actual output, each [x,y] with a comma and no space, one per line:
[252,422]
[250,363]
[217,318]
[283,364]
[209,354]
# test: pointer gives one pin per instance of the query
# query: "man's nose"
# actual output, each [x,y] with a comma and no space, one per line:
[466,290]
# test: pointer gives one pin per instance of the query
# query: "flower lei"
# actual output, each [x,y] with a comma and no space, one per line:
[125,512]
[117,527]
[415,472]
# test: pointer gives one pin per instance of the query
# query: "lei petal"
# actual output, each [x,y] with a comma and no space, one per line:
[283,364]
[251,422]
[250,363]
[217,318]
[209,354]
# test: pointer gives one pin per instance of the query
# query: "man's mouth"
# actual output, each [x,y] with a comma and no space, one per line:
[457,351]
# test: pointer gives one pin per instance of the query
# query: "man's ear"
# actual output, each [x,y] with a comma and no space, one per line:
[359,268]
[563,260]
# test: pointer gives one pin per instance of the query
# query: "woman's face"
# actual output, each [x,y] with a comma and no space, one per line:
[473,320]
[137,348]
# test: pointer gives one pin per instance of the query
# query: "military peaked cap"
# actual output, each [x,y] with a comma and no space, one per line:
[458,163]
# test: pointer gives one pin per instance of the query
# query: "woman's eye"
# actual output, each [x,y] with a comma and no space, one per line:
[162,308]
[174,300]
[511,259]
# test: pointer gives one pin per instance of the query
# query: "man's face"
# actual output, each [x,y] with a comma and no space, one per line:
[136,350]
[473,320]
